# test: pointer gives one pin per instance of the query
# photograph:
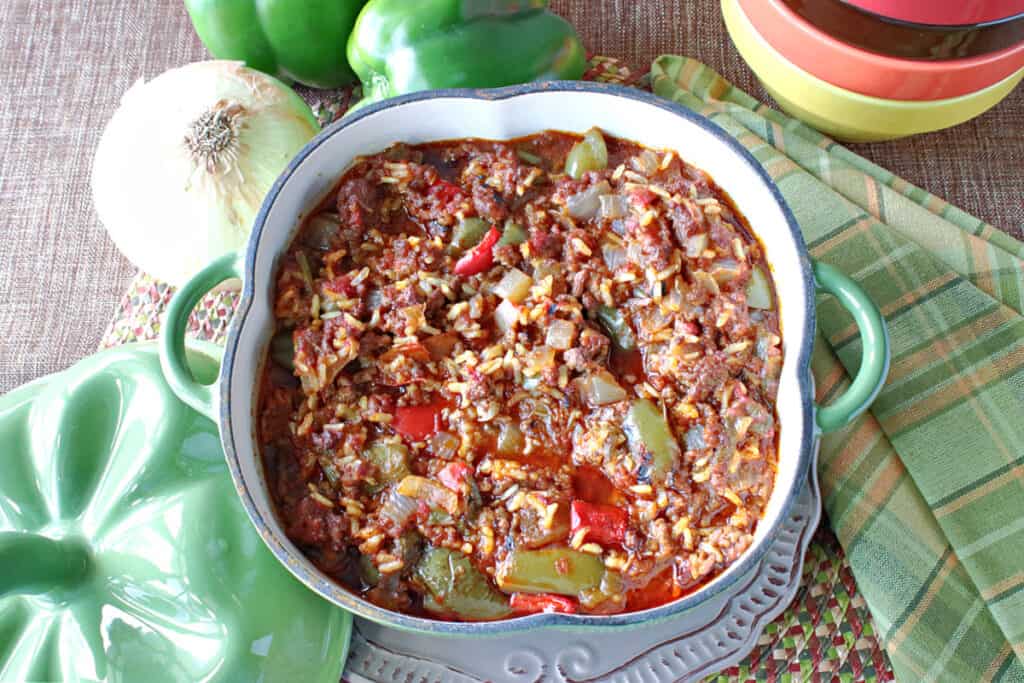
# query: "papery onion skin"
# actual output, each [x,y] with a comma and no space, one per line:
[174,195]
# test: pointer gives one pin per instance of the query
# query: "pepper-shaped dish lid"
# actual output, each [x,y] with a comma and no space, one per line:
[124,552]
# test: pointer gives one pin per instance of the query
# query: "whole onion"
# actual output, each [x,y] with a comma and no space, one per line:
[184,164]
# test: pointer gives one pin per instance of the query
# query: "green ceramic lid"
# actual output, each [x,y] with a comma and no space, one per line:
[124,552]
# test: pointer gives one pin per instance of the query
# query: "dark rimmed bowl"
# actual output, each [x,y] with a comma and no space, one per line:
[905,39]
[858,70]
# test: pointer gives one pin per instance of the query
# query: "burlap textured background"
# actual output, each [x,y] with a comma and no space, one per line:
[65,63]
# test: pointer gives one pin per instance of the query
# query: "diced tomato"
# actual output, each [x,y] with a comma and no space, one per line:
[659,590]
[642,197]
[605,524]
[453,475]
[480,257]
[624,363]
[418,422]
[592,486]
[445,192]
[341,285]
[532,603]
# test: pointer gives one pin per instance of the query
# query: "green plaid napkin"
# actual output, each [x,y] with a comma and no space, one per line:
[926,493]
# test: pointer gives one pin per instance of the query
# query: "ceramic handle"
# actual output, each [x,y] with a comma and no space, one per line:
[172,338]
[874,361]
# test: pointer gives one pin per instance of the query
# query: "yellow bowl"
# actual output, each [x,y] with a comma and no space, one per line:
[844,114]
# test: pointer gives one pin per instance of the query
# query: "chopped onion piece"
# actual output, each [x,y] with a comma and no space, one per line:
[706,281]
[445,445]
[560,334]
[695,438]
[429,491]
[539,360]
[613,206]
[696,244]
[674,298]
[725,270]
[510,439]
[544,267]
[645,162]
[764,342]
[614,255]
[514,286]
[398,508]
[601,389]
[586,204]
[506,315]
[759,292]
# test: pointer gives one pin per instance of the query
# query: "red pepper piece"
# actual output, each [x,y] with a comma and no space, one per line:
[605,524]
[532,603]
[453,475]
[480,257]
[418,422]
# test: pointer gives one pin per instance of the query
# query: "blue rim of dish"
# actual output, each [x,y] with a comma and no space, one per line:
[334,592]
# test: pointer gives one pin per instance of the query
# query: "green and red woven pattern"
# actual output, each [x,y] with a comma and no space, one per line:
[925,492]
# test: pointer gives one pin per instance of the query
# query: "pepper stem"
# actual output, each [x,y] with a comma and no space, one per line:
[31,564]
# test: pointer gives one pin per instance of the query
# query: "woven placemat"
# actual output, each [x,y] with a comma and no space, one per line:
[825,635]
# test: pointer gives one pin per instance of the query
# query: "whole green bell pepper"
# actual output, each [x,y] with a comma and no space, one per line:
[300,40]
[399,46]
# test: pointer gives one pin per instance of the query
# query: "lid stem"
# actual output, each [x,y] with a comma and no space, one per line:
[31,564]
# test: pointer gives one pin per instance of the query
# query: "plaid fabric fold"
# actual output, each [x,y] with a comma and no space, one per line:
[926,491]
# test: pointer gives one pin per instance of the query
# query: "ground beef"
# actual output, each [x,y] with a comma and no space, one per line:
[445,399]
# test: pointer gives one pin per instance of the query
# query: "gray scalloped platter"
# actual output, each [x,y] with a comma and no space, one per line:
[684,648]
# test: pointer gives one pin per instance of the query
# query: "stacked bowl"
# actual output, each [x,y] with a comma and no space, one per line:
[868,70]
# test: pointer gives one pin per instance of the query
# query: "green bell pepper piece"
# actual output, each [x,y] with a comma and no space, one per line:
[454,585]
[469,232]
[553,570]
[617,327]
[589,154]
[648,432]
[392,463]
[513,234]
[529,157]
[400,47]
[300,40]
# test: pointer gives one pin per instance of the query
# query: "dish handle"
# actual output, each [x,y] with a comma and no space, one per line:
[874,360]
[201,397]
